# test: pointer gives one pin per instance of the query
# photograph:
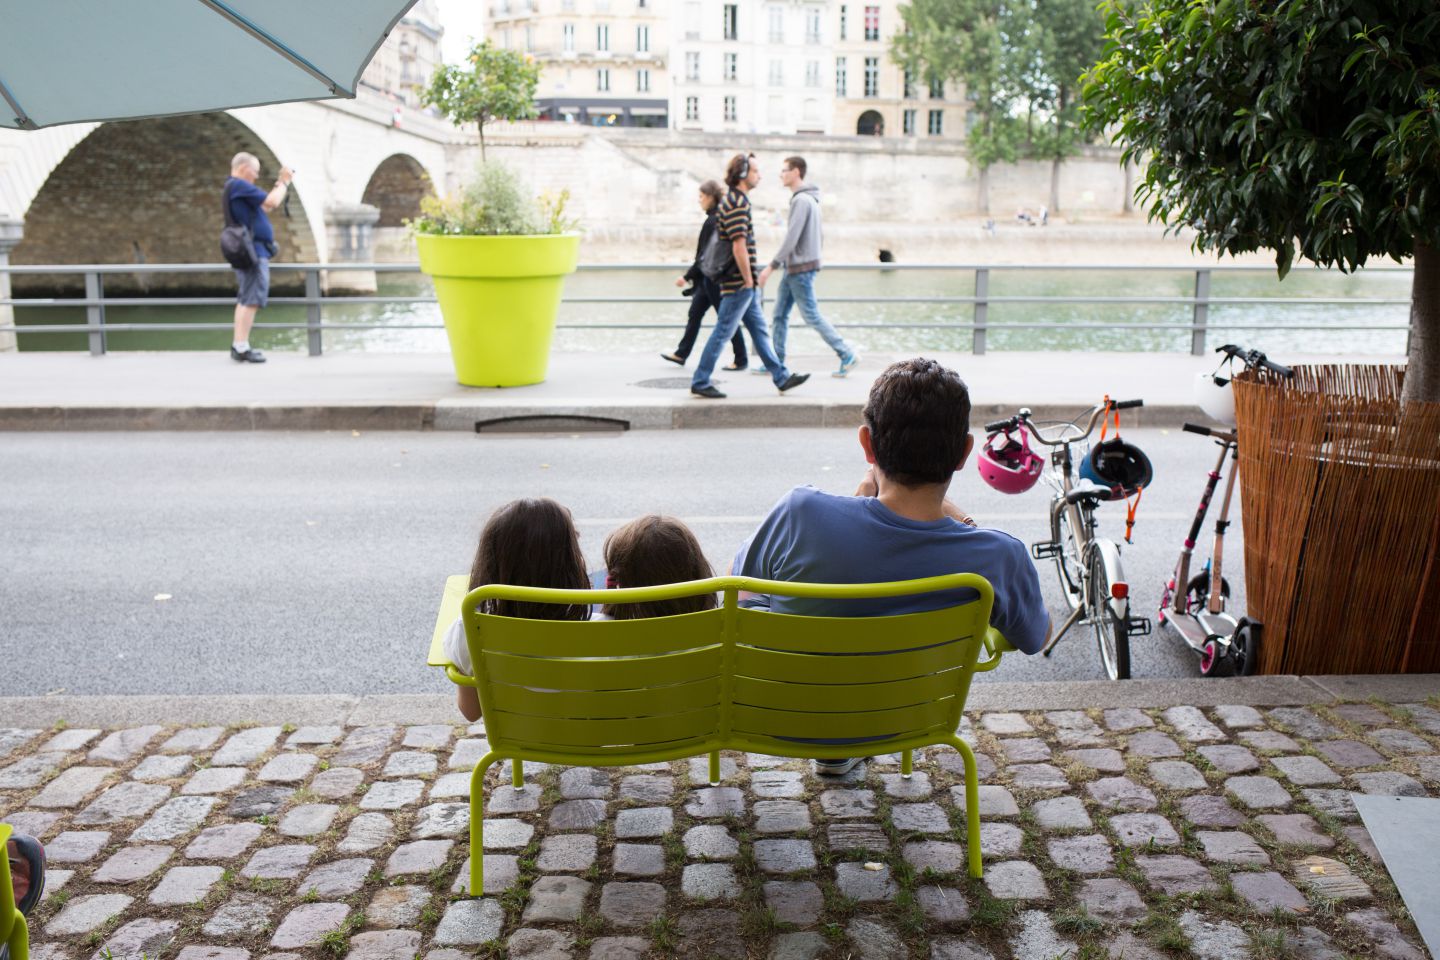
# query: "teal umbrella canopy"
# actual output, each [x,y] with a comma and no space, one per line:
[66,61]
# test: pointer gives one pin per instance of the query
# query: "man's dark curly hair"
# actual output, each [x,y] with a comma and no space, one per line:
[919,416]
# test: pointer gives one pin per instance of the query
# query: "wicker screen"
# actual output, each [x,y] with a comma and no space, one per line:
[1341,493]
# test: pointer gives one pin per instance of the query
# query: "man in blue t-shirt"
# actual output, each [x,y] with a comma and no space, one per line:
[249,205]
[899,525]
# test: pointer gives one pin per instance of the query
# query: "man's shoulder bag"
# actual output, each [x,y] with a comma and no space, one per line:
[237,241]
[718,257]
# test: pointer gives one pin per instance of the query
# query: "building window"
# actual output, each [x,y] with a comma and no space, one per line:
[840,76]
[812,73]
[602,80]
[872,23]
[937,88]
[692,108]
[732,21]
[730,109]
[732,67]
[907,123]
[692,66]
[505,38]
[567,5]
[529,38]
[872,76]
[777,24]
[777,73]
[642,39]
[937,123]
[568,33]
[602,37]
[642,81]
[909,93]
[843,12]
[812,25]
[692,20]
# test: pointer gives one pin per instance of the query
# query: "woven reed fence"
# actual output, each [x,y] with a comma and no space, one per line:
[1341,491]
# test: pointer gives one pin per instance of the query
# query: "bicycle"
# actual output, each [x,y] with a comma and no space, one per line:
[1225,645]
[1092,578]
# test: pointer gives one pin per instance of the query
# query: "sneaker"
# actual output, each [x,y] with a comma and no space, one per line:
[794,381]
[673,358]
[249,356]
[837,768]
[846,365]
[760,371]
[708,392]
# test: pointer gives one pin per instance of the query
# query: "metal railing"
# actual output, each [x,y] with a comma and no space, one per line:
[1199,303]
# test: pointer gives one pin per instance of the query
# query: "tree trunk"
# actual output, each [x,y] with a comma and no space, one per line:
[982,193]
[482,141]
[1127,204]
[1422,369]
[1055,185]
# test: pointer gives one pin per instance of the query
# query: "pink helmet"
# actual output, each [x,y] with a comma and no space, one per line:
[1008,465]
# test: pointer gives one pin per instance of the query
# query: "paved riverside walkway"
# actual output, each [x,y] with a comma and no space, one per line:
[1138,820]
[365,391]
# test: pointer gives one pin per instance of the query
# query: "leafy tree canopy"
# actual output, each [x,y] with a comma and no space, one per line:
[1309,127]
[496,84]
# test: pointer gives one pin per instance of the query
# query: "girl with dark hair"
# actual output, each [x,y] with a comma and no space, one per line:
[650,551]
[527,543]
[703,291]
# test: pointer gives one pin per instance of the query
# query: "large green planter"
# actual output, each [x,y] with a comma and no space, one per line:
[499,297]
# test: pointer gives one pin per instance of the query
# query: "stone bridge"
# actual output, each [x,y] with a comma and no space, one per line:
[148,191]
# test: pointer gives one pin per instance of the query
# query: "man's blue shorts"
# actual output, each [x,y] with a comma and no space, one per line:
[254,284]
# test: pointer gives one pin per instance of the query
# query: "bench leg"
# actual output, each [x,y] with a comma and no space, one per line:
[477,821]
[517,773]
[907,764]
[972,805]
[714,767]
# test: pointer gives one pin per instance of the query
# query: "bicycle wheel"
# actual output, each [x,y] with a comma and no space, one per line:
[1067,560]
[1112,633]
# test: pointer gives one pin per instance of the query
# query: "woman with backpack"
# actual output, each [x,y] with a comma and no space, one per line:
[703,292]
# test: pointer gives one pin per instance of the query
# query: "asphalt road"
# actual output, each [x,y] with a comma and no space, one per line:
[312,563]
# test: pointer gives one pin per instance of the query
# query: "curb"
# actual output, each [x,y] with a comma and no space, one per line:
[354,710]
[468,416]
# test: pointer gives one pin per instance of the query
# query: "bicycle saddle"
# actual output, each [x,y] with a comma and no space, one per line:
[1085,490]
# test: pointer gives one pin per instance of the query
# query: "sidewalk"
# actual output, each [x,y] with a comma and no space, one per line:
[361,391]
[1141,819]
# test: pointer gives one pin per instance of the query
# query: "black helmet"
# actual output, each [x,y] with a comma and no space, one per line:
[1115,463]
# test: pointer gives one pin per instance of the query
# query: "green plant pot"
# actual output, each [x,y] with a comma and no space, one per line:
[499,297]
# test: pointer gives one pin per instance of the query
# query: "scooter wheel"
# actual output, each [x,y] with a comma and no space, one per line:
[1213,660]
[1245,647]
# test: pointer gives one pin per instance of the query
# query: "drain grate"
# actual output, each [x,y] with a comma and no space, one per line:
[552,423]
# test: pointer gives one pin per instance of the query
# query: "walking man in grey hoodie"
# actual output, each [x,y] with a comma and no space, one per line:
[799,260]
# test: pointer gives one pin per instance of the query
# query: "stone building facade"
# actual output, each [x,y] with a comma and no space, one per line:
[403,64]
[604,62]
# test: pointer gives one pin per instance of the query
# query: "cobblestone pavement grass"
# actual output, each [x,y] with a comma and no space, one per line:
[1217,833]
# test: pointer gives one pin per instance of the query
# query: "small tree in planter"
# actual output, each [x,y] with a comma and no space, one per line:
[497,85]
[1306,128]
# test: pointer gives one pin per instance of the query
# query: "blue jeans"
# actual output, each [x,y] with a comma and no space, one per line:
[799,288]
[742,306]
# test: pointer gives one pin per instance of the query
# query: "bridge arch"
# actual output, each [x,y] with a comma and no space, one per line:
[148,191]
[396,189]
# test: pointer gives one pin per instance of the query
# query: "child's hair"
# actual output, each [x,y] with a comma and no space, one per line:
[713,190]
[653,550]
[531,543]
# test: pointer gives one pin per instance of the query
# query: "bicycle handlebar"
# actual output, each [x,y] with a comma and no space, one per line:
[1096,413]
[1127,404]
[1253,359]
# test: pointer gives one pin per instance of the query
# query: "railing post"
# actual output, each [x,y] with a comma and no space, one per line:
[312,311]
[1200,317]
[95,312]
[982,309]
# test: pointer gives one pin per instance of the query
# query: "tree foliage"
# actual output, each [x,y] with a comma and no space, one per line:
[1308,127]
[497,84]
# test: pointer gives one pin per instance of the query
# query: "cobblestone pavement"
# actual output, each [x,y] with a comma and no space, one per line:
[1218,832]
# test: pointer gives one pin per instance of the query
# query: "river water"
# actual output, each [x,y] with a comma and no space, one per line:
[878,326]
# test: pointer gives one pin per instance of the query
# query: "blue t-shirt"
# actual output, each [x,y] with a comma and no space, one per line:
[245,207]
[817,537]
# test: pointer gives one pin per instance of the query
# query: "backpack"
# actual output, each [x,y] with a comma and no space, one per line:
[237,241]
[718,257]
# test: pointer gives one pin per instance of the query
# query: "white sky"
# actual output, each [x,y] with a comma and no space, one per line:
[463,21]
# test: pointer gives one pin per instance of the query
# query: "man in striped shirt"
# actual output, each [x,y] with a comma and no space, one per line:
[739,295]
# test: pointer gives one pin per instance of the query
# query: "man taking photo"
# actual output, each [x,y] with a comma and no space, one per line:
[248,205]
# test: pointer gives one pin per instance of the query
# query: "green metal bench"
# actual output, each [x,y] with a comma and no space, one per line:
[626,692]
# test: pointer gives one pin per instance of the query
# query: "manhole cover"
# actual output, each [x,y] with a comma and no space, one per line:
[666,383]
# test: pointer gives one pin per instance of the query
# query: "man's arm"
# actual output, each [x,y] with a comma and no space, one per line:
[742,259]
[956,514]
[799,217]
[276,196]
